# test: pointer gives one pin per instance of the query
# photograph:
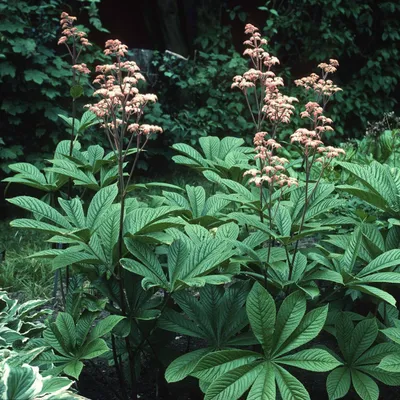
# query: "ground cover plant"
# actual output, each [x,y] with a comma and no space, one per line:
[265,268]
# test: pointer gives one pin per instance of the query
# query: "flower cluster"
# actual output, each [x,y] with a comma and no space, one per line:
[272,170]
[120,101]
[321,85]
[82,68]
[273,105]
[71,32]
[311,139]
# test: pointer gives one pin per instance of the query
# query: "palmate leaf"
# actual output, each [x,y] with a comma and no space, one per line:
[234,383]
[317,360]
[260,307]
[308,329]
[74,210]
[375,292]
[182,366]
[289,316]
[289,386]
[282,219]
[362,338]
[216,364]
[388,259]
[365,386]
[197,199]
[29,171]
[264,386]
[361,359]
[338,383]
[41,209]
[100,205]
[390,363]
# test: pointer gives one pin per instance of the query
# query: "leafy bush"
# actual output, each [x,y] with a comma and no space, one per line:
[34,77]
[266,260]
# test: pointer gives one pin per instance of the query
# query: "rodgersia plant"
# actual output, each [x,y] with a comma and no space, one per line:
[272,109]
[154,265]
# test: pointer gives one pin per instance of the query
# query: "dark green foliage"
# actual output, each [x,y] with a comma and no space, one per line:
[195,95]
[35,75]
[361,35]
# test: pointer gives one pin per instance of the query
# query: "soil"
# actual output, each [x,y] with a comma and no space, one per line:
[98,381]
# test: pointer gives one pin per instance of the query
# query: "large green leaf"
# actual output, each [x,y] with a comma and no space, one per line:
[104,326]
[100,205]
[264,387]
[289,316]
[391,363]
[365,386]
[261,310]
[197,199]
[234,383]
[282,219]
[289,386]
[217,364]
[388,259]
[41,209]
[74,210]
[376,292]
[74,368]
[66,326]
[317,360]
[308,329]
[182,366]
[93,349]
[362,338]
[338,383]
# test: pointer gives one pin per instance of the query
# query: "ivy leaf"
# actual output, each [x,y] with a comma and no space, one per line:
[35,76]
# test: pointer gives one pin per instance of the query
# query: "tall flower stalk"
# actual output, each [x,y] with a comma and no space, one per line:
[271,108]
[121,108]
[311,140]
[75,41]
